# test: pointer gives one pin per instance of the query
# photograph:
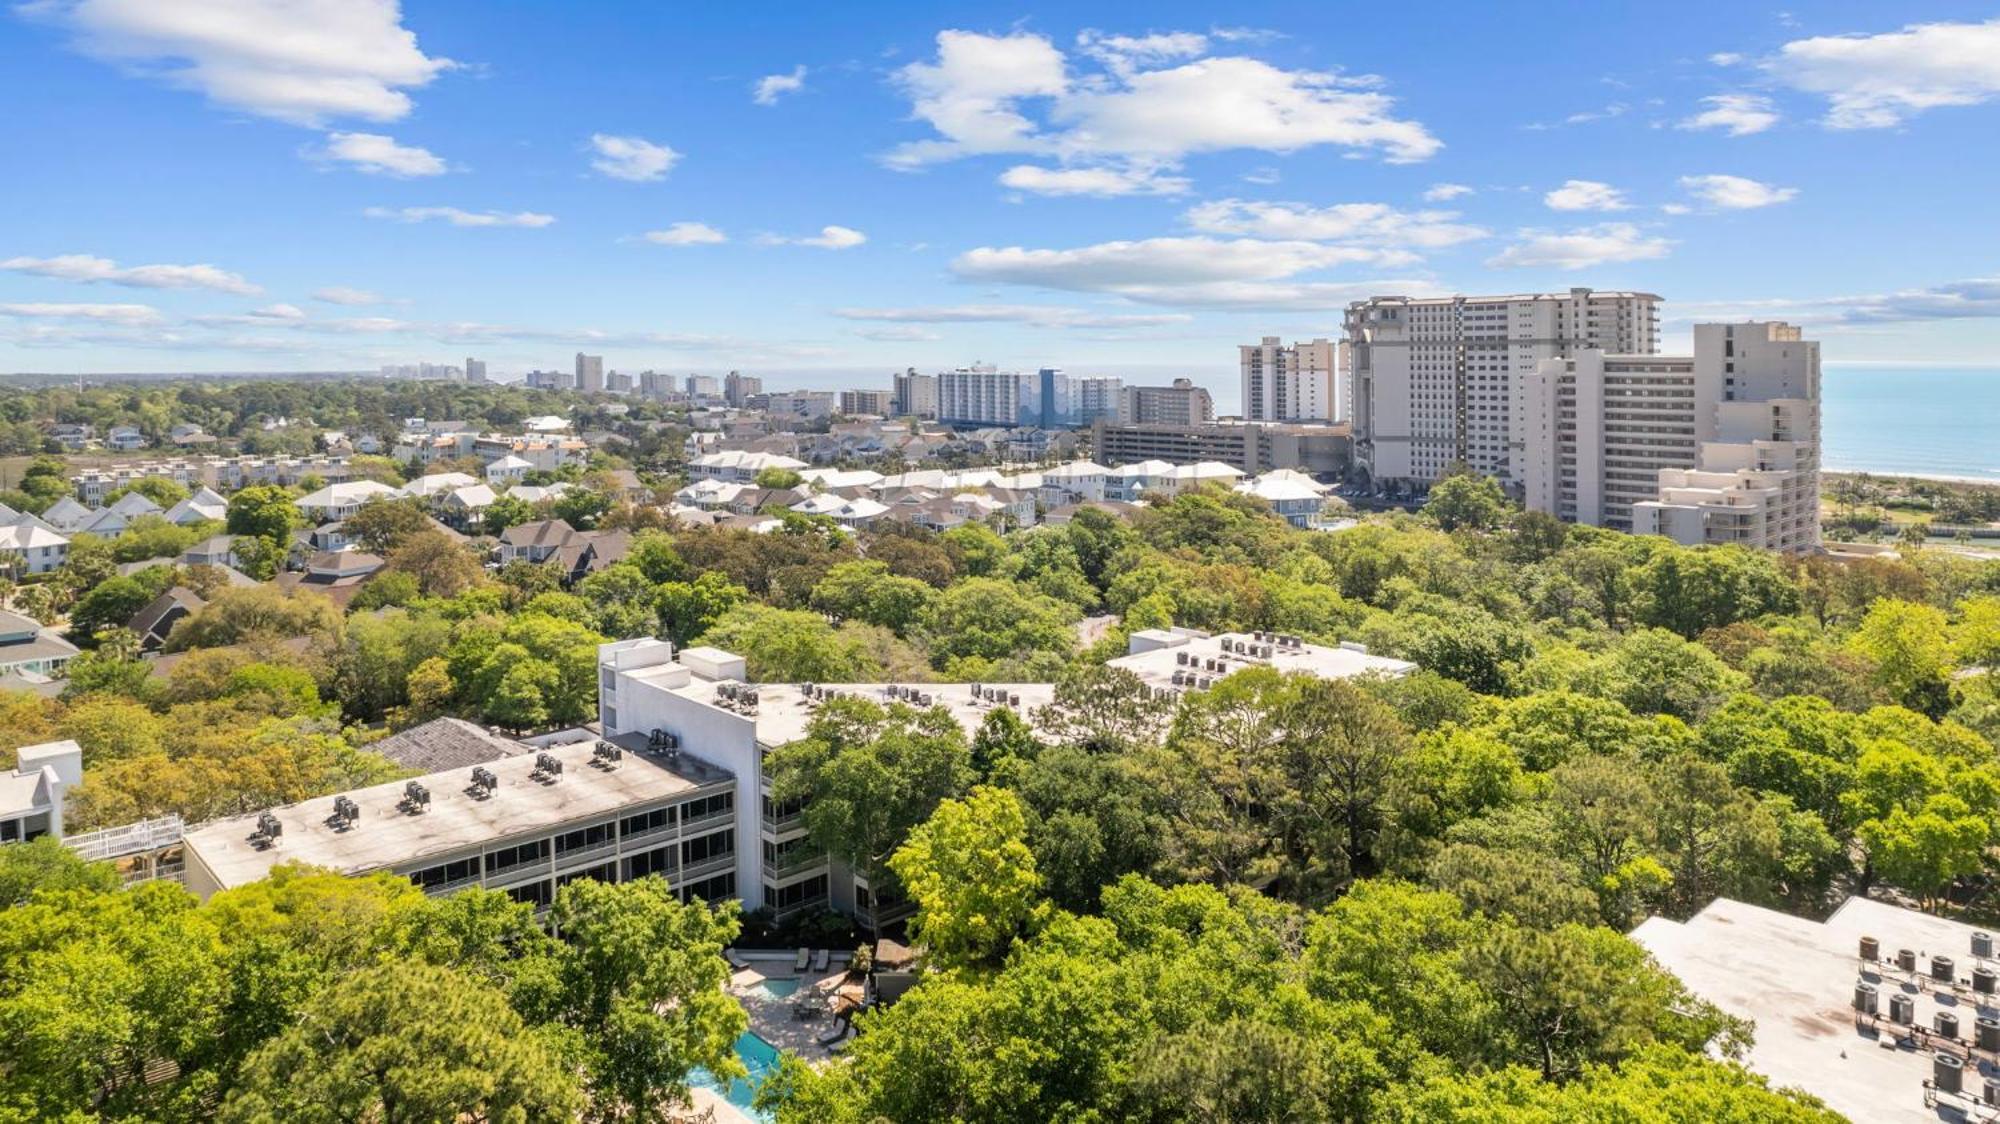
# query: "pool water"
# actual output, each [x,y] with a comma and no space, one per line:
[757,1056]
[777,988]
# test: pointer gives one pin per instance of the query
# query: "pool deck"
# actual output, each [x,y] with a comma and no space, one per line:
[772,1018]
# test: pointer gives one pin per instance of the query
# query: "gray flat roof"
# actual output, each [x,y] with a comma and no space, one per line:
[1157,667]
[1795,979]
[784,713]
[386,836]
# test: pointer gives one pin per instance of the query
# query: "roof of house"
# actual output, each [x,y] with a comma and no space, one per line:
[179,597]
[439,482]
[347,492]
[445,743]
[541,532]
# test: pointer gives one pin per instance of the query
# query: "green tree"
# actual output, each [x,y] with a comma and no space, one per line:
[688,609]
[263,511]
[970,872]
[1468,502]
[381,524]
[789,645]
[1908,644]
[405,1042]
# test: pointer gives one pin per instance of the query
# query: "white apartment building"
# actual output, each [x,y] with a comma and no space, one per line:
[703,386]
[589,372]
[1092,397]
[1181,403]
[1433,380]
[979,395]
[1287,383]
[915,395]
[1718,446]
[475,370]
[1755,480]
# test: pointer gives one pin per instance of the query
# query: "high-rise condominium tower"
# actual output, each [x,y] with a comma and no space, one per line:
[589,372]
[1287,383]
[1433,379]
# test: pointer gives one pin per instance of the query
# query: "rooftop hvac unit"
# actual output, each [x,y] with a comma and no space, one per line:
[346,810]
[1871,949]
[1866,999]
[1014,701]
[548,766]
[1982,944]
[978,692]
[1943,970]
[1946,1024]
[1986,1032]
[484,780]
[1984,979]
[269,830]
[1179,678]
[1906,959]
[1182,658]
[416,797]
[1902,1008]
[663,741]
[1948,1072]
[1991,1093]
[607,754]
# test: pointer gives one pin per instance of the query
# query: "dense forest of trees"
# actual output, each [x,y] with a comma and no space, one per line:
[1279,899]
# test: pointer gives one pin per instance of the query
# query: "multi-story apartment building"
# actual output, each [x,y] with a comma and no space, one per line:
[475,370]
[1287,383]
[854,403]
[1434,379]
[1252,447]
[1182,403]
[1755,480]
[1718,446]
[1343,381]
[548,380]
[619,808]
[618,382]
[703,386]
[979,395]
[1091,397]
[916,396]
[589,372]
[737,386]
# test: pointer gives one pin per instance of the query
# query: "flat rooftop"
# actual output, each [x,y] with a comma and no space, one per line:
[1157,666]
[458,817]
[1795,978]
[784,712]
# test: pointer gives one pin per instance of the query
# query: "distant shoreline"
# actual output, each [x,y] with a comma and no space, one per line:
[1934,477]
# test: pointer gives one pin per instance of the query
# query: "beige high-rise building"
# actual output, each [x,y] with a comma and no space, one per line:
[475,370]
[1433,380]
[855,403]
[1182,403]
[1287,383]
[737,386]
[916,396]
[589,372]
[1718,446]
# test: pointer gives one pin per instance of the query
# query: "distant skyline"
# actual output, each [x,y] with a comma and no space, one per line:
[250,185]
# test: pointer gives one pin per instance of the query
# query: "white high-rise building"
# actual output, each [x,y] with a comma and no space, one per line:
[979,395]
[1182,403]
[1287,383]
[1718,446]
[1432,381]
[1093,397]
[589,372]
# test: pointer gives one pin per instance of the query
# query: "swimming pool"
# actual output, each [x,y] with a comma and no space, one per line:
[757,1056]
[781,988]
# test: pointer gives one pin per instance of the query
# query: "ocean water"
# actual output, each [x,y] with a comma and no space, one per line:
[1924,421]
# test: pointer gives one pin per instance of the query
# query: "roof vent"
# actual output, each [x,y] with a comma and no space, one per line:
[483,780]
[548,767]
[416,798]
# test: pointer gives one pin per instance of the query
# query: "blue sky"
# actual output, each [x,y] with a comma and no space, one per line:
[316,184]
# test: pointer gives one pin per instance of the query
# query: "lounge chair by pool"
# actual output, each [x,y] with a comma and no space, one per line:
[819,960]
[735,958]
[805,957]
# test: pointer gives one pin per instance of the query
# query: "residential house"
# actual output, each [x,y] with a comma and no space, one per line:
[202,506]
[27,646]
[158,618]
[508,470]
[125,439]
[338,501]
[30,546]
[468,504]
[217,550]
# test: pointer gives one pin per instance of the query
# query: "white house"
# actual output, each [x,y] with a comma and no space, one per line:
[31,793]
[1296,497]
[508,469]
[30,547]
[739,465]
[338,501]
[1075,482]
[433,488]
[203,505]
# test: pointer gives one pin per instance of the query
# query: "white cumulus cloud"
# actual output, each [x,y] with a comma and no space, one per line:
[1589,246]
[1738,114]
[829,238]
[458,217]
[343,294]
[103,313]
[300,61]
[89,268]
[771,87]
[1875,81]
[631,158]
[1445,192]
[686,234]
[1375,224]
[1103,182]
[1146,104]
[379,155]
[1735,193]
[1585,195]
